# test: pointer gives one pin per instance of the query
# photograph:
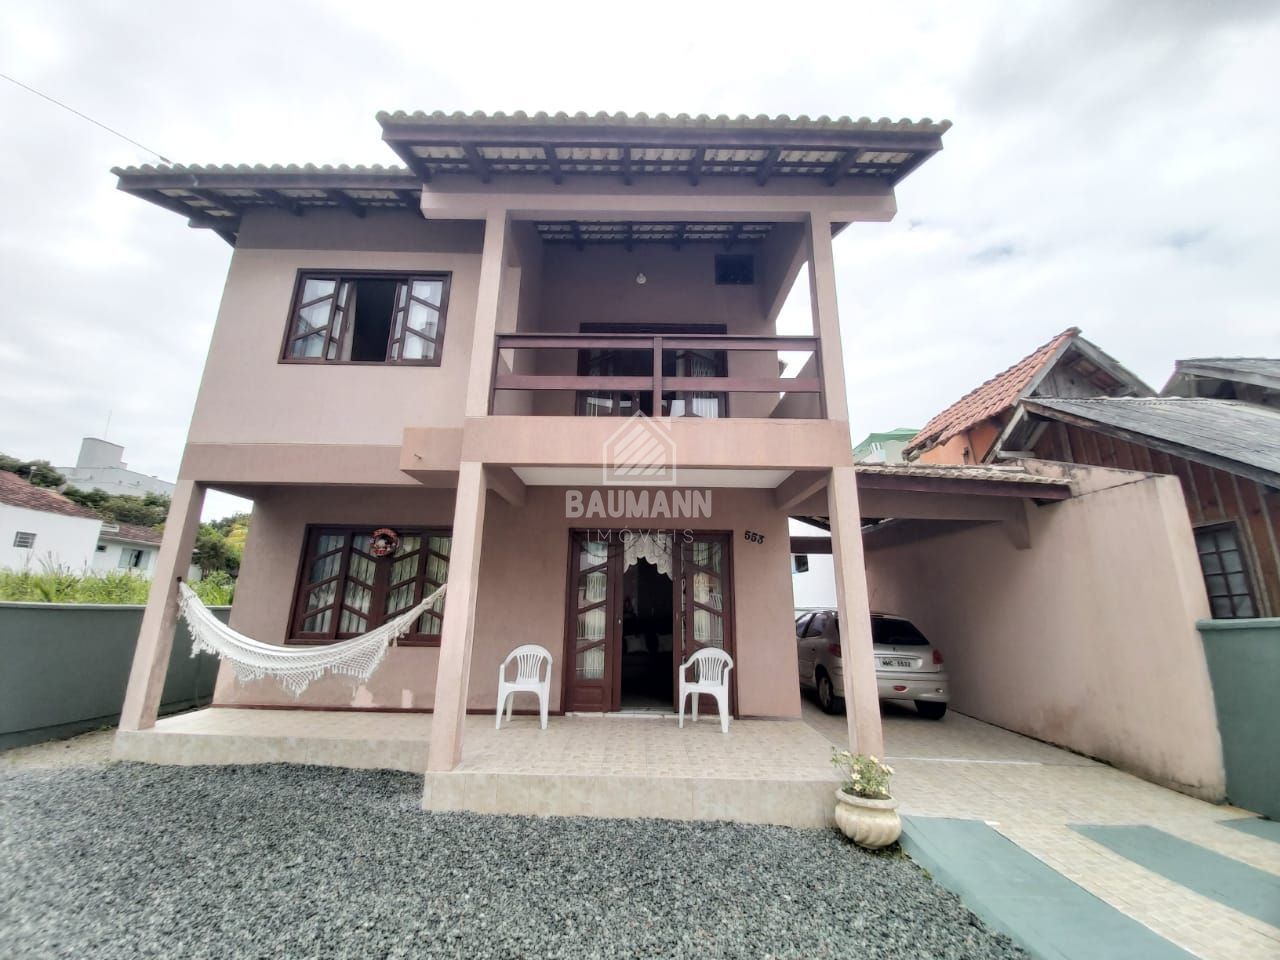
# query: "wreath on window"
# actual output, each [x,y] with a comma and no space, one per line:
[383,542]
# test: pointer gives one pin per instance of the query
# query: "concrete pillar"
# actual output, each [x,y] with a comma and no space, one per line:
[862,703]
[456,634]
[155,638]
[493,270]
[826,316]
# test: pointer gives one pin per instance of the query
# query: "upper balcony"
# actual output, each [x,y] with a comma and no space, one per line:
[595,267]
[673,373]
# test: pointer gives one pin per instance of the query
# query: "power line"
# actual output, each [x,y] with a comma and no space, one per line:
[83,116]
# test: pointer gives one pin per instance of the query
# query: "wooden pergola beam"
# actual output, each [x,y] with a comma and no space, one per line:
[219,201]
[478,164]
[277,199]
[765,171]
[553,163]
[411,160]
[842,166]
[695,166]
[346,202]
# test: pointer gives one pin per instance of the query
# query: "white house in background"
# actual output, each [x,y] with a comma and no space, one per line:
[101,466]
[124,546]
[40,527]
[813,575]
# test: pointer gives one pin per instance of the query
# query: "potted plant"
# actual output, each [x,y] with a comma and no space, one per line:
[865,812]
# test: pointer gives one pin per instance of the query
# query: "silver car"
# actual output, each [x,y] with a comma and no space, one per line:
[907,666]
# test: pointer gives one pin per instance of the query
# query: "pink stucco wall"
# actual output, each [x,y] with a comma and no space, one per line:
[248,396]
[1087,639]
[521,594]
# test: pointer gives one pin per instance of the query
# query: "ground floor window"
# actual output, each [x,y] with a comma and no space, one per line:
[1225,577]
[345,588]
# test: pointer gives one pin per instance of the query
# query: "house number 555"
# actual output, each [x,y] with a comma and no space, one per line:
[753,537]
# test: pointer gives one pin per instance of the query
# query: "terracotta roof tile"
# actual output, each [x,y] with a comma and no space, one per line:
[16,492]
[130,532]
[682,120]
[999,393]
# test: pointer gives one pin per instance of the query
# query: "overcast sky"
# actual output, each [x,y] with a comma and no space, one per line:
[1112,166]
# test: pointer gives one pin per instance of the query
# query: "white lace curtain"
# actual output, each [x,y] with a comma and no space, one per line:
[654,547]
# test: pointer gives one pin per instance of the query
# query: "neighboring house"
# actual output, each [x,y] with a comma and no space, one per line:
[1216,428]
[1226,455]
[969,430]
[813,575]
[429,375]
[1253,380]
[40,527]
[884,447]
[101,466]
[126,546]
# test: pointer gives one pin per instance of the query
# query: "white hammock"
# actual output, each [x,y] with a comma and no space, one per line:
[294,667]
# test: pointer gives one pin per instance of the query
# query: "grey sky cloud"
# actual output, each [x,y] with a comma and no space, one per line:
[1122,153]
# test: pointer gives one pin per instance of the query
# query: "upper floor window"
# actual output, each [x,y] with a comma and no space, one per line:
[355,317]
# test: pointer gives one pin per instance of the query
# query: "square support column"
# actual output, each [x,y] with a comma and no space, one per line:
[493,270]
[155,638]
[826,316]
[861,699]
[457,632]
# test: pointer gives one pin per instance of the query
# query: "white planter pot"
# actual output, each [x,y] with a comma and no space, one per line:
[868,823]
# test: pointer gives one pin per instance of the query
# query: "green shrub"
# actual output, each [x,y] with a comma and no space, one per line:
[864,775]
[61,585]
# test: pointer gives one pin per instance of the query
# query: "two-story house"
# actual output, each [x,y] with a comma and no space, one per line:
[435,373]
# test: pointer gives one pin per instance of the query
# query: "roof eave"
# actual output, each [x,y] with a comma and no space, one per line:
[1186,451]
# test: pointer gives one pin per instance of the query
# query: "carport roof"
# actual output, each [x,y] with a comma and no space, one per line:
[981,479]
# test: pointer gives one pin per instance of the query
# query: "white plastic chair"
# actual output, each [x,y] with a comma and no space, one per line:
[711,667]
[530,678]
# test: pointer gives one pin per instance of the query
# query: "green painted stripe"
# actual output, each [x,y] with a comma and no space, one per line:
[1043,911]
[1230,882]
[1255,826]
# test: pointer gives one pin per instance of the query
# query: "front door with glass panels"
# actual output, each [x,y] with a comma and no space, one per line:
[592,627]
[706,599]
[600,631]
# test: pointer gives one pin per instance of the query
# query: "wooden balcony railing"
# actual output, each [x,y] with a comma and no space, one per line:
[632,364]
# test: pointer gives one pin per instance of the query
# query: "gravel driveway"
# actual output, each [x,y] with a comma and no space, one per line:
[131,861]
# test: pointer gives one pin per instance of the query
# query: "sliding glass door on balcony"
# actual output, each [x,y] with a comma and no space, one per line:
[631,362]
[634,363]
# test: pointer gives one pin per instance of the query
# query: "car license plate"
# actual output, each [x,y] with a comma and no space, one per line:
[895,662]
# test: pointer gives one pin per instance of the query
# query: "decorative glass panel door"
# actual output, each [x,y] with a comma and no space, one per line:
[707,601]
[591,624]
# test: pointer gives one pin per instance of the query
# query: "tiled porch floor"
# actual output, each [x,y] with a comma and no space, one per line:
[762,771]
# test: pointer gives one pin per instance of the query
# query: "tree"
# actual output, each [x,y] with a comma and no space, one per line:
[145,511]
[213,554]
[38,473]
